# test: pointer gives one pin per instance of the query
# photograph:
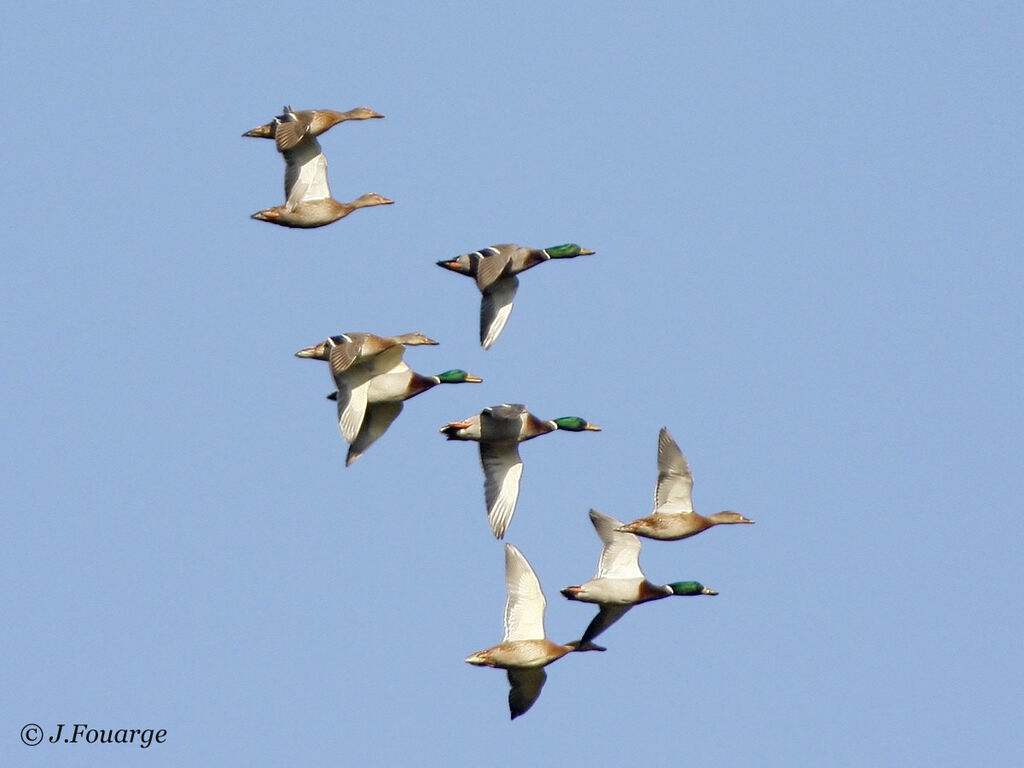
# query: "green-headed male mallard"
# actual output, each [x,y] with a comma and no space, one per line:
[355,358]
[673,516]
[310,122]
[308,202]
[499,430]
[495,268]
[525,650]
[384,400]
[619,584]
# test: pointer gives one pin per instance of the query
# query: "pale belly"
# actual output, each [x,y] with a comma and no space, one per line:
[526,653]
[612,591]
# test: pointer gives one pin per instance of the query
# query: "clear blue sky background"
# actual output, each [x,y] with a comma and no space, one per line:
[807,219]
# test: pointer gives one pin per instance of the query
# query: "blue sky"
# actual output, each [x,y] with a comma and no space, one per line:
[807,219]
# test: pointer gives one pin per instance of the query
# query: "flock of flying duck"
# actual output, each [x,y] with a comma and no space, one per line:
[372,382]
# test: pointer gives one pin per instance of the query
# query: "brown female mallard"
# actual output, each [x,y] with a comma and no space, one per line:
[525,650]
[673,516]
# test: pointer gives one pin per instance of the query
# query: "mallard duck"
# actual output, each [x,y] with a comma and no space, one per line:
[499,430]
[317,213]
[355,358]
[384,400]
[673,516]
[619,584]
[308,202]
[525,650]
[495,268]
[308,121]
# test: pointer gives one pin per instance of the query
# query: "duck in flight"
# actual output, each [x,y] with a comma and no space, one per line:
[673,517]
[308,202]
[307,121]
[384,398]
[499,430]
[619,584]
[524,650]
[354,359]
[494,269]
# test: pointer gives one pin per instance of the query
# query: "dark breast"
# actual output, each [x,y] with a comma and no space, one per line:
[419,384]
[536,427]
[649,591]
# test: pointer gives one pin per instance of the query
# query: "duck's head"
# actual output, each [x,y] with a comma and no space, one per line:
[567,251]
[321,351]
[329,118]
[463,264]
[370,198]
[729,517]
[359,113]
[414,339]
[575,424]
[458,376]
[689,588]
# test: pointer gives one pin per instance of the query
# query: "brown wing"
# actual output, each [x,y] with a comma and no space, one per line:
[290,131]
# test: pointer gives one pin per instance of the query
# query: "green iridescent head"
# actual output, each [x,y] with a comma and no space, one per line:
[575,424]
[457,376]
[567,251]
[688,588]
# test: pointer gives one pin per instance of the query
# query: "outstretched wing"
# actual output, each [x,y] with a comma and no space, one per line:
[354,387]
[376,420]
[620,558]
[675,483]
[305,174]
[503,470]
[492,263]
[524,609]
[352,397]
[607,616]
[349,353]
[289,130]
[526,685]
[495,307]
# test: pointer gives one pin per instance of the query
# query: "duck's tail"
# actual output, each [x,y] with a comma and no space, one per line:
[261,131]
[585,645]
